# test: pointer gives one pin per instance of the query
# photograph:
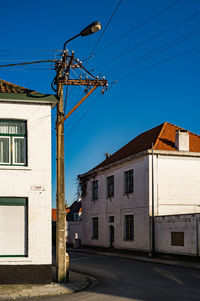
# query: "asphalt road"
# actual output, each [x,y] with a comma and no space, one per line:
[122,279]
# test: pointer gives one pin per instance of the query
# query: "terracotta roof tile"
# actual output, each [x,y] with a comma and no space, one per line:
[162,137]
[6,87]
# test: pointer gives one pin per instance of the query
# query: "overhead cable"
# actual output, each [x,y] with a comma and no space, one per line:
[148,40]
[156,51]
[160,62]
[139,25]
[109,21]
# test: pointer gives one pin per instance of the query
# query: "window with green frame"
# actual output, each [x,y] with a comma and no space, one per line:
[13,139]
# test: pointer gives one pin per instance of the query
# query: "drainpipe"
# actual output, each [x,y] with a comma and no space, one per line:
[152,214]
[197,238]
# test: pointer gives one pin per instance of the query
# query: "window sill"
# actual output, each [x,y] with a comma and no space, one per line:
[14,167]
[128,240]
[14,259]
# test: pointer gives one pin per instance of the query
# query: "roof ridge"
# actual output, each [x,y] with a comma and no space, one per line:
[184,129]
[161,131]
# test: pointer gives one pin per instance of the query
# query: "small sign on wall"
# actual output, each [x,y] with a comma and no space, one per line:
[37,188]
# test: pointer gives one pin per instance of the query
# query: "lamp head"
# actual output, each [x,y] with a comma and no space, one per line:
[92,28]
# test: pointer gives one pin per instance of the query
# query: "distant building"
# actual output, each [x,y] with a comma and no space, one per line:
[25,190]
[117,194]
[74,222]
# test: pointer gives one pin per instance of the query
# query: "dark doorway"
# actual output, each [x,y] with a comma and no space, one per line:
[112,236]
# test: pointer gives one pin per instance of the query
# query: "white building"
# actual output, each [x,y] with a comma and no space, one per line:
[25,189]
[117,194]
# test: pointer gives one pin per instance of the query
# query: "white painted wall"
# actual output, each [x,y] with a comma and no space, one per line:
[176,184]
[187,223]
[118,206]
[20,181]
[73,228]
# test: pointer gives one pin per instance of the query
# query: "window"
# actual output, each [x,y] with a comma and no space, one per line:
[129,227]
[75,216]
[111,219]
[110,186]
[13,142]
[13,227]
[95,228]
[95,190]
[177,239]
[128,181]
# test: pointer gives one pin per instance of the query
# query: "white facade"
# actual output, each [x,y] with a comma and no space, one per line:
[120,205]
[187,229]
[32,181]
[176,191]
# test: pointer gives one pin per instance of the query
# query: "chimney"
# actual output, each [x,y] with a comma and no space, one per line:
[182,141]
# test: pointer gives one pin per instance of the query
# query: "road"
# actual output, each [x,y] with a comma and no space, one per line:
[123,280]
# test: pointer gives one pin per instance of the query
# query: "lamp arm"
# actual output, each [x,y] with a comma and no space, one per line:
[70,40]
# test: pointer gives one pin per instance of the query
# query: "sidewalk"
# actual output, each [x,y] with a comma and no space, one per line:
[123,254]
[76,283]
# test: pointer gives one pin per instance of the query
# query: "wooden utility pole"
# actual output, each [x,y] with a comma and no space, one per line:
[60,197]
[62,78]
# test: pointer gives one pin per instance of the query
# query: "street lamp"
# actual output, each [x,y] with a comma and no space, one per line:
[60,170]
[92,28]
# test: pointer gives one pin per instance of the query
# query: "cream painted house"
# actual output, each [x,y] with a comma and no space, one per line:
[117,194]
[25,189]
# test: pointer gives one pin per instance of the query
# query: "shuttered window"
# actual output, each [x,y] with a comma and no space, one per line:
[13,227]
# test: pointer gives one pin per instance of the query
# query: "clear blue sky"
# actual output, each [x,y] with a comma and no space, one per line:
[136,50]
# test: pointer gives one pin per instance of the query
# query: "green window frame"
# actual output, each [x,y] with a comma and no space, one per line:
[14,226]
[13,142]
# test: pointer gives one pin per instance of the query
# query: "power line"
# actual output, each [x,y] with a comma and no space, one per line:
[160,62]
[149,40]
[156,51]
[140,25]
[108,23]
[27,63]
[23,69]
[29,50]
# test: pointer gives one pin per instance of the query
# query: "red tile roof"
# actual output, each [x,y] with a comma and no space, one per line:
[6,87]
[162,137]
[53,214]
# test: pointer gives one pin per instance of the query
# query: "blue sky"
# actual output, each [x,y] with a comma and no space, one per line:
[150,47]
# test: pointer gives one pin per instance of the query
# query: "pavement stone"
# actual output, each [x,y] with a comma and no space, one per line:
[76,283]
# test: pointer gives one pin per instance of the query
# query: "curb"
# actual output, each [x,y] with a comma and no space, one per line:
[54,289]
[181,264]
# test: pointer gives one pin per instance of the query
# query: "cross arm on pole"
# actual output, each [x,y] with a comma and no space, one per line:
[80,102]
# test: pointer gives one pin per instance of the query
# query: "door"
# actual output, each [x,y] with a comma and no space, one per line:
[112,236]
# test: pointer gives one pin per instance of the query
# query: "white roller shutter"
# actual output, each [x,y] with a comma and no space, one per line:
[13,230]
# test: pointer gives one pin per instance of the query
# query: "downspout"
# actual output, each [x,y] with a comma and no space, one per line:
[197,239]
[152,210]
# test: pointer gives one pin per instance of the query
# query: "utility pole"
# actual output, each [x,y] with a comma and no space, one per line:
[61,79]
[60,170]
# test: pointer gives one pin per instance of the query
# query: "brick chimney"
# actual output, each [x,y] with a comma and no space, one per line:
[182,141]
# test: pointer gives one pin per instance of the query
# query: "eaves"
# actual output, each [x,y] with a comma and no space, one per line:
[119,162]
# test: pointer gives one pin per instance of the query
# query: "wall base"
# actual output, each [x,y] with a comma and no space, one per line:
[25,274]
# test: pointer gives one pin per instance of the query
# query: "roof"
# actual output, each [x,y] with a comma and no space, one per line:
[76,207]
[53,214]
[12,92]
[162,137]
